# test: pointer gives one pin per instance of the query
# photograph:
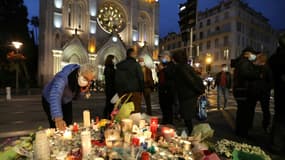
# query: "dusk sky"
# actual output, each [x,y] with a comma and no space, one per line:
[272,9]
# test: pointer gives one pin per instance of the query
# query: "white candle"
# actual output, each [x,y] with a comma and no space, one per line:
[86,143]
[147,134]
[50,132]
[142,123]
[127,137]
[67,135]
[127,125]
[86,118]
[187,145]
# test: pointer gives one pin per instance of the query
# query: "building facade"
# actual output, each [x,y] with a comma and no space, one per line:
[223,31]
[82,31]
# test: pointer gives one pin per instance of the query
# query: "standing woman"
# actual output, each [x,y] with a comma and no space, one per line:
[189,87]
[109,74]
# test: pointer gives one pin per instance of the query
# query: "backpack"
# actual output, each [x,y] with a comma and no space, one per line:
[202,108]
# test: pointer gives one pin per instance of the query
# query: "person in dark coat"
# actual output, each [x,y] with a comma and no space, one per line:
[245,73]
[223,82]
[260,91]
[110,91]
[277,65]
[66,86]
[166,88]
[189,87]
[129,79]
[148,85]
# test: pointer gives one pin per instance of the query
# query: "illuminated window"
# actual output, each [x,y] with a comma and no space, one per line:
[92,27]
[57,21]
[58,4]
[135,35]
[80,17]
[69,15]
[156,40]
[92,8]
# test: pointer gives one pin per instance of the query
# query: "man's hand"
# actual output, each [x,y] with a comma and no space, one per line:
[60,124]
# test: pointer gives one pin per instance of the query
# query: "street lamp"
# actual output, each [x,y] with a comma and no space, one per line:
[17,45]
[208,61]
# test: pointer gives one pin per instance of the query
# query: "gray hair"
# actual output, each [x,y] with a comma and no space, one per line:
[88,68]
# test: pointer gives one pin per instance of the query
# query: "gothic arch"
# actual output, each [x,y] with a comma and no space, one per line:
[144,26]
[74,52]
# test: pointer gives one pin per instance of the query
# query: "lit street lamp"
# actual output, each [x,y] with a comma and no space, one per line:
[17,46]
[208,61]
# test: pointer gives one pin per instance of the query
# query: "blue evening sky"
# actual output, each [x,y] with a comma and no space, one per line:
[272,9]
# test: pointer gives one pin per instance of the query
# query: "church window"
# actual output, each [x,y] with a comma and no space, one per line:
[69,15]
[80,17]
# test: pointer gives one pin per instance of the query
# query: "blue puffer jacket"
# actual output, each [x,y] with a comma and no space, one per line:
[57,92]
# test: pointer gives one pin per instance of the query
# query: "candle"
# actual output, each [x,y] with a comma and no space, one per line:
[86,143]
[147,134]
[41,146]
[135,141]
[75,127]
[168,133]
[86,118]
[142,123]
[127,137]
[127,125]
[154,120]
[50,132]
[67,135]
[135,129]
[187,145]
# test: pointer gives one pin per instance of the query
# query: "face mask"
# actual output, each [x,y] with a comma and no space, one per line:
[225,69]
[164,60]
[82,82]
[252,57]
[114,61]
[142,63]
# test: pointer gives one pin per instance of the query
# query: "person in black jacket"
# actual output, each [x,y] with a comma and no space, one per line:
[277,65]
[189,87]
[245,73]
[166,88]
[260,91]
[129,79]
[224,83]
[110,91]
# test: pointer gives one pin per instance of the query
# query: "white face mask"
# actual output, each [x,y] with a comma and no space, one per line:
[252,57]
[225,69]
[114,61]
[82,82]
[142,64]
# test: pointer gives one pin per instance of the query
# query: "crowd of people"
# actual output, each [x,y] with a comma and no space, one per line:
[253,78]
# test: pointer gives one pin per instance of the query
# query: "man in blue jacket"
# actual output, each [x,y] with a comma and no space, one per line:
[67,85]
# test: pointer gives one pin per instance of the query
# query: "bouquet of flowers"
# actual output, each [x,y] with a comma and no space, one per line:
[226,148]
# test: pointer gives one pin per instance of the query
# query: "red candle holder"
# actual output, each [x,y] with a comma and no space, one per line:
[135,141]
[75,127]
[154,120]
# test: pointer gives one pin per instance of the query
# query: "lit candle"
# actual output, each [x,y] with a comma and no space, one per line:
[127,125]
[67,135]
[147,134]
[50,132]
[86,118]
[86,143]
[142,123]
[187,145]
[75,127]
[127,137]
[136,129]
[168,133]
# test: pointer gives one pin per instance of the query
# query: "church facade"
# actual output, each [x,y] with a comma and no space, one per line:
[87,31]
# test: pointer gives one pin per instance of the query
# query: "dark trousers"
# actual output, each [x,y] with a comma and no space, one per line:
[147,99]
[264,100]
[66,110]
[242,118]
[108,106]
[166,101]
[189,125]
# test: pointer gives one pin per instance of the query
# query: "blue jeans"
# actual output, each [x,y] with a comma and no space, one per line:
[222,92]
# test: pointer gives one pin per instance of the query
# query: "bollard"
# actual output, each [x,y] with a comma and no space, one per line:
[8,93]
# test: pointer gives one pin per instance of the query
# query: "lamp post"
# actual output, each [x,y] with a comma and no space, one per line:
[208,60]
[17,45]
